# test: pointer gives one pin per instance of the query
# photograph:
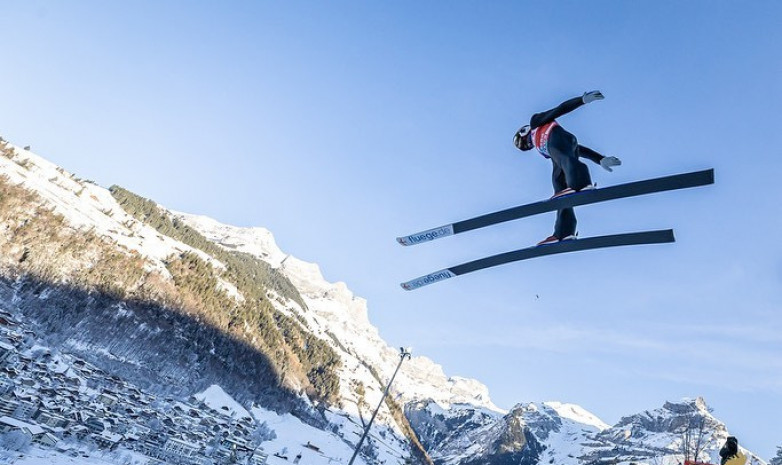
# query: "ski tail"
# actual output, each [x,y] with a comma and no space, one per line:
[598,242]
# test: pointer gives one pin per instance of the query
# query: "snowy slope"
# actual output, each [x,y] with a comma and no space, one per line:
[218,400]
[563,429]
[335,310]
[293,437]
[335,314]
[577,414]
[87,206]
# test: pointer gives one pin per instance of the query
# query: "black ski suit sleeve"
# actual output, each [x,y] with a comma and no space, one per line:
[586,152]
[539,119]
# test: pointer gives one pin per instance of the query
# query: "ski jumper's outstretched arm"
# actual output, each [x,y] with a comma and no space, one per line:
[586,152]
[539,119]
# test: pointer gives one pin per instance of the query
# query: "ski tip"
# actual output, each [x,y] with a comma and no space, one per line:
[700,178]
[660,236]
[403,240]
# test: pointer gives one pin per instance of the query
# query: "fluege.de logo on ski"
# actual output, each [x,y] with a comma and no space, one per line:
[432,234]
[445,274]
[428,279]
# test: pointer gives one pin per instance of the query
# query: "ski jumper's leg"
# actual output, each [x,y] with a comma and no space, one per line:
[563,150]
[568,172]
[566,218]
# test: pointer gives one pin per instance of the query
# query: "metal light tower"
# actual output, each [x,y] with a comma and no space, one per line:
[403,353]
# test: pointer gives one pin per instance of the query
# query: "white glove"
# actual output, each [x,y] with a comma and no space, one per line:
[590,97]
[608,162]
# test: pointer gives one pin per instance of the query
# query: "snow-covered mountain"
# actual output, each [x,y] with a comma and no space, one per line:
[334,309]
[430,415]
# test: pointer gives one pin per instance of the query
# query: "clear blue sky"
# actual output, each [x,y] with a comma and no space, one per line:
[340,125]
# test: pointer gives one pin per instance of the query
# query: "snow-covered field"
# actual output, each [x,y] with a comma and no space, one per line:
[37,456]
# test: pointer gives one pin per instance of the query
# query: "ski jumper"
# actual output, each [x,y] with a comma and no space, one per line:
[562,148]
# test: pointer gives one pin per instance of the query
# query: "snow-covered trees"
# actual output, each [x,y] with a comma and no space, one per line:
[262,433]
[15,441]
[777,460]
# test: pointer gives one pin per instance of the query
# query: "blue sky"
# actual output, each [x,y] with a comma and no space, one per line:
[341,125]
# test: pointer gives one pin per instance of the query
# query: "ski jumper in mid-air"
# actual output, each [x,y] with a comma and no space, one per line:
[570,175]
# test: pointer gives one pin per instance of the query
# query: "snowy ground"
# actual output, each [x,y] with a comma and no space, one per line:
[36,456]
[218,400]
[294,438]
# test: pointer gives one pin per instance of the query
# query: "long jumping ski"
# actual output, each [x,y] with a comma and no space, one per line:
[667,183]
[646,237]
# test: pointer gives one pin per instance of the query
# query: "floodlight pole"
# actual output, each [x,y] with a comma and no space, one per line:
[403,353]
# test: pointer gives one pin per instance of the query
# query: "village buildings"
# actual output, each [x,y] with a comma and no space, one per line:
[53,400]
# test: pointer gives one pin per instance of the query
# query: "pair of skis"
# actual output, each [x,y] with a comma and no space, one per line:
[632,189]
